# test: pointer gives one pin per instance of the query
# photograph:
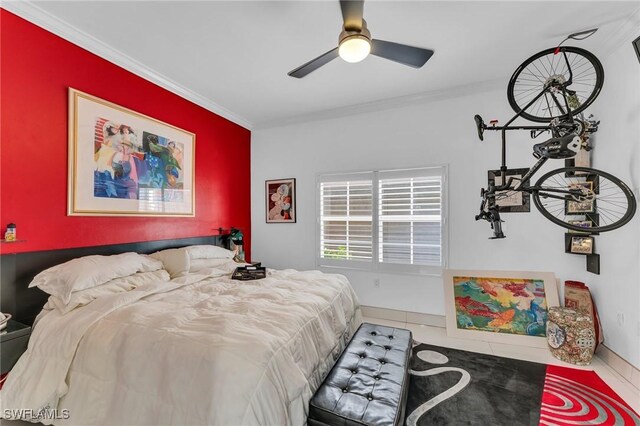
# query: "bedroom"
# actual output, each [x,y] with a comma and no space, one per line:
[218,70]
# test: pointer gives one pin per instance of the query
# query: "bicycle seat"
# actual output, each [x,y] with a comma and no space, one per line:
[562,147]
[480,126]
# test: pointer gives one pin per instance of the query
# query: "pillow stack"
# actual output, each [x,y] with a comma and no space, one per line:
[205,257]
[90,271]
[80,281]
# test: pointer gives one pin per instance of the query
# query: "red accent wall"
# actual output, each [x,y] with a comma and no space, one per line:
[36,70]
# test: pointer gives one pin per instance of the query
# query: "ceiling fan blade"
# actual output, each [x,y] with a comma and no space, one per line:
[314,64]
[408,55]
[352,14]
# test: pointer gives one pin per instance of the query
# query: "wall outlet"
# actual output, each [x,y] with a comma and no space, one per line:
[376,282]
[620,319]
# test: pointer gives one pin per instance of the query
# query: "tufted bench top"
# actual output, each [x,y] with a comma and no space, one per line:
[368,385]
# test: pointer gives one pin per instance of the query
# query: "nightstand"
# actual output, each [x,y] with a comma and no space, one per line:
[13,343]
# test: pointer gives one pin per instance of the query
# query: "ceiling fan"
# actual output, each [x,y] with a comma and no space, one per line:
[355,44]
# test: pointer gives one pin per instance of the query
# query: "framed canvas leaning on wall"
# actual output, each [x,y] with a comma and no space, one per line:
[123,163]
[499,306]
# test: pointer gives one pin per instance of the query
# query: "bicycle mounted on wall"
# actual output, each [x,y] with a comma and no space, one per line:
[555,86]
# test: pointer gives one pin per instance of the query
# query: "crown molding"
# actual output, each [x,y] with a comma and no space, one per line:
[38,16]
[385,104]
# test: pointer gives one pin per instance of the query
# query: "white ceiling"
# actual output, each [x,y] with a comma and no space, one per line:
[236,54]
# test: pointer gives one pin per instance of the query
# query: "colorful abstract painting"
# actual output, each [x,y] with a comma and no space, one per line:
[502,305]
[134,164]
[124,163]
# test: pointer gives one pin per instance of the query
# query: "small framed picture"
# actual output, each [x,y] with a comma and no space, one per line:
[281,200]
[581,245]
[511,201]
[587,224]
[580,207]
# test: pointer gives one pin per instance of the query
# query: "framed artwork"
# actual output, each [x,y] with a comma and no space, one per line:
[587,224]
[581,245]
[281,200]
[499,306]
[580,207]
[123,163]
[511,201]
[636,46]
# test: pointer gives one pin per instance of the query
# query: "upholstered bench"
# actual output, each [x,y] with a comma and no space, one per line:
[369,383]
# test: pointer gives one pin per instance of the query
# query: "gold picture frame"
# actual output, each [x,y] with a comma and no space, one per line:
[123,163]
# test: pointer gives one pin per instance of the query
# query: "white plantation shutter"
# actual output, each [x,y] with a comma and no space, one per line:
[346,219]
[390,221]
[409,218]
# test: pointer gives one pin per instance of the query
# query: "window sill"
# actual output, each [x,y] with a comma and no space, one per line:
[433,271]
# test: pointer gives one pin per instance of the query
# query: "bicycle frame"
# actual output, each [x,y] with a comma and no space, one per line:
[489,209]
[547,192]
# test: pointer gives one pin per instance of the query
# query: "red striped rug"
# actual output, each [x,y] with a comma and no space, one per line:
[580,397]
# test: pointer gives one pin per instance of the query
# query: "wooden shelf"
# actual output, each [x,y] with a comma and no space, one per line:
[3,241]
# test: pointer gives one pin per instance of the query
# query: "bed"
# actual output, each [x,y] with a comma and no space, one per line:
[195,349]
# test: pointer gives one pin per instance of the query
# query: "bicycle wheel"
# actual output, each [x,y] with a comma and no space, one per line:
[530,79]
[603,203]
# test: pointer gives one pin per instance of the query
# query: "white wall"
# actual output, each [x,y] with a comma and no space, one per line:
[617,150]
[443,132]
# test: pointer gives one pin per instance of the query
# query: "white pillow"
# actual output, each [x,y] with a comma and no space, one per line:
[90,271]
[118,285]
[175,261]
[199,264]
[209,252]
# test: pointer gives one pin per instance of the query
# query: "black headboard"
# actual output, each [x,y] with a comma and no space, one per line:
[17,270]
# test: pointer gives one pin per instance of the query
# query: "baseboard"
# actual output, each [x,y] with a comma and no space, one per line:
[403,316]
[621,366]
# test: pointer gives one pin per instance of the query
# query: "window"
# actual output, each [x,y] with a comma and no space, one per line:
[346,226]
[387,220]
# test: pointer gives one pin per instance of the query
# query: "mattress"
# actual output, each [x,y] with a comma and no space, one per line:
[200,349]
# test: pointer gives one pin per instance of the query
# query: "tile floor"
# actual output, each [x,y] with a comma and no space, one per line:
[438,336]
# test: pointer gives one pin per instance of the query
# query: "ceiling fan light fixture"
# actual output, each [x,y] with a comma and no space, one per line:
[354,48]
[355,44]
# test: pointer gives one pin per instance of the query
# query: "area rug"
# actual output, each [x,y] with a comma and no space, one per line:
[454,387]
[581,397]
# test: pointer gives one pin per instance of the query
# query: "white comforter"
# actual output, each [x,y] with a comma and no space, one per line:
[202,349]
